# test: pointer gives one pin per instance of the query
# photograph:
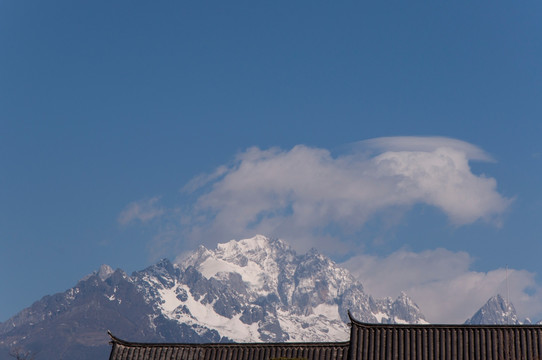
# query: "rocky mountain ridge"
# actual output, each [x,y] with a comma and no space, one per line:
[496,311]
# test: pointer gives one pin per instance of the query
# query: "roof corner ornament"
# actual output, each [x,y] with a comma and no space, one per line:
[113,337]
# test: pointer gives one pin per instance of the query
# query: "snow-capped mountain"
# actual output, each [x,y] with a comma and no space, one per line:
[255,289]
[259,289]
[495,311]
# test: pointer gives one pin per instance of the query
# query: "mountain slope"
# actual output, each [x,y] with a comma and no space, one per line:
[74,324]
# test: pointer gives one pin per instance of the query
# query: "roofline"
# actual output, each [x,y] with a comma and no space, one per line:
[115,339]
[439,326]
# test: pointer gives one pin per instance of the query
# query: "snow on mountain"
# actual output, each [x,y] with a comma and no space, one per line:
[259,289]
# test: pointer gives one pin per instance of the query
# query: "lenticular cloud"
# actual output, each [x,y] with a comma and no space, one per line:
[442,178]
[305,191]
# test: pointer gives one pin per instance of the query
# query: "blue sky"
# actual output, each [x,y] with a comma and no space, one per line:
[112,112]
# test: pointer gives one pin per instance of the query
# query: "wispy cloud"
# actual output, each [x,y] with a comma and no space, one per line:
[443,285]
[203,179]
[142,210]
[308,195]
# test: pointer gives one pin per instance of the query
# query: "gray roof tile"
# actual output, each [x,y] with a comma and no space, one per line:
[445,342]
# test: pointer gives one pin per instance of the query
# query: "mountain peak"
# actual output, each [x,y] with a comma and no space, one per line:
[495,311]
[257,260]
[255,244]
[104,272]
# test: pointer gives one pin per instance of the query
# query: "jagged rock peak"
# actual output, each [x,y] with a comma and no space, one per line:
[495,311]
[404,299]
[407,310]
[104,272]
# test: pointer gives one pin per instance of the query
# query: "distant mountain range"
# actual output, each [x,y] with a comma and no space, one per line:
[250,290]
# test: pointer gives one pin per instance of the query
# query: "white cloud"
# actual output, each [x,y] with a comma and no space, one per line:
[443,285]
[311,198]
[441,178]
[303,193]
[143,211]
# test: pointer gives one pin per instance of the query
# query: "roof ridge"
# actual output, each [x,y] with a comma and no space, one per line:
[117,340]
[441,326]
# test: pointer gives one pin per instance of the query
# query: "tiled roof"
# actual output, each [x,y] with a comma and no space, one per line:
[445,342]
[367,342]
[123,350]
